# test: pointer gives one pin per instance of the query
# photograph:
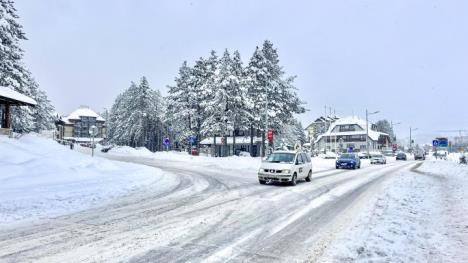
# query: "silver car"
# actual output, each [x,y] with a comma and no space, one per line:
[378,159]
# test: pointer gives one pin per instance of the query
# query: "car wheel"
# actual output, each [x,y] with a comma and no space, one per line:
[309,176]
[294,180]
[337,167]
[354,167]
[359,167]
[261,181]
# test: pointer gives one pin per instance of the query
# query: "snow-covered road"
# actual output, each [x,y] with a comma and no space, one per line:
[206,215]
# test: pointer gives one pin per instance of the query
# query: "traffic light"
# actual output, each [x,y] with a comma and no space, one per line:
[270,135]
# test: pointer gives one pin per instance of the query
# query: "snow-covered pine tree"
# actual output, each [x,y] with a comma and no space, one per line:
[136,117]
[11,33]
[179,108]
[215,104]
[14,75]
[282,98]
[290,134]
[256,81]
[239,102]
[202,90]
[43,113]
[386,127]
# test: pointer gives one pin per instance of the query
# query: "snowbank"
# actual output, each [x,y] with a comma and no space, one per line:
[231,162]
[40,179]
[129,151]
[419,216]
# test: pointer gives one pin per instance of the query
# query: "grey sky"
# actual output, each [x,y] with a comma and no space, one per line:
[406,58]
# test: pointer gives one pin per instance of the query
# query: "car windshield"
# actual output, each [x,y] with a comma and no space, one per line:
[347,156]
[281,158]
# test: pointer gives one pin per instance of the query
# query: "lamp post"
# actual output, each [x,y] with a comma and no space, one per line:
[393,124]
[367,129]
[411,140]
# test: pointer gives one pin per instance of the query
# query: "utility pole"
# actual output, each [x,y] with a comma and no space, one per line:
[367,133]
[266,125]
[410,138]
[393,124]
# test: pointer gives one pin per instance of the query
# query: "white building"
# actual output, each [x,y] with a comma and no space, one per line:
[350,132]
[75,127]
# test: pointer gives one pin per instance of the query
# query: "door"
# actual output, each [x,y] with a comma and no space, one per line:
[300,163]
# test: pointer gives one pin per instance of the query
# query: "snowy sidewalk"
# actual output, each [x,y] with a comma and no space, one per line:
[420,216]
[40,179]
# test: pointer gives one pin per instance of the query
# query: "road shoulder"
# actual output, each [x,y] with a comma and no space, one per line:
[410,219]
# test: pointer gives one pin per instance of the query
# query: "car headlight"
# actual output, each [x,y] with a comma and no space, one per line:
[260,170]
[286,171]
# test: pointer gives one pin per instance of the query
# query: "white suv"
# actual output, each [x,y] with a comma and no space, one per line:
[286,167]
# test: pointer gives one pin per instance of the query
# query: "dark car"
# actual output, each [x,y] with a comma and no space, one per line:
[107,148]
[348,160]
[401,156]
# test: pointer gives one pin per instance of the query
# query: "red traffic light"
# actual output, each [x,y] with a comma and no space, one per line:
[270,135]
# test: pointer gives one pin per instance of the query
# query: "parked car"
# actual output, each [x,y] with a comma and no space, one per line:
[88,145]
[286,167]
[388,153]
[378,159]
[328,155]
[244,154]
[348,160]
[106,148]
[401,156]
[194,151]
[364,155]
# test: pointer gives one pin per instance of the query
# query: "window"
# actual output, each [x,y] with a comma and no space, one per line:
[348,156]
[281,158]
[306,157]
[299,159]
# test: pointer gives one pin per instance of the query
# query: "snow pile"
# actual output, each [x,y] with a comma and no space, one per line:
[230,163]
[129,151]
[420,216]
[40,179]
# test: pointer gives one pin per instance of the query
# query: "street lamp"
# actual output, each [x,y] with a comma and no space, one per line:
[410,139]
[367,129]
[393,124]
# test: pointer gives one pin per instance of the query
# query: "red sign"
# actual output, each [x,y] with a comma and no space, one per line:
[270,135]
[223,140]
[394,147]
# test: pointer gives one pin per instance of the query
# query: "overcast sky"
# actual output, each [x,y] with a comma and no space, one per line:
[407,59]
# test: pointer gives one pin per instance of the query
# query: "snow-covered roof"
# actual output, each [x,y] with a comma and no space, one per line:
[239,140]
[323,119]
[83,112]
[374,135]
[15,96]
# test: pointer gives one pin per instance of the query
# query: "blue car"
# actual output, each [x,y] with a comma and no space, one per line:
[348,160]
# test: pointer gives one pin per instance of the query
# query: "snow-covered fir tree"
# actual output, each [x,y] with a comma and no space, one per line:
[290,134]
[43,113]
[179,108]
[218,95]
[136,117]
[273,96]
[385,126]
[14,75]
